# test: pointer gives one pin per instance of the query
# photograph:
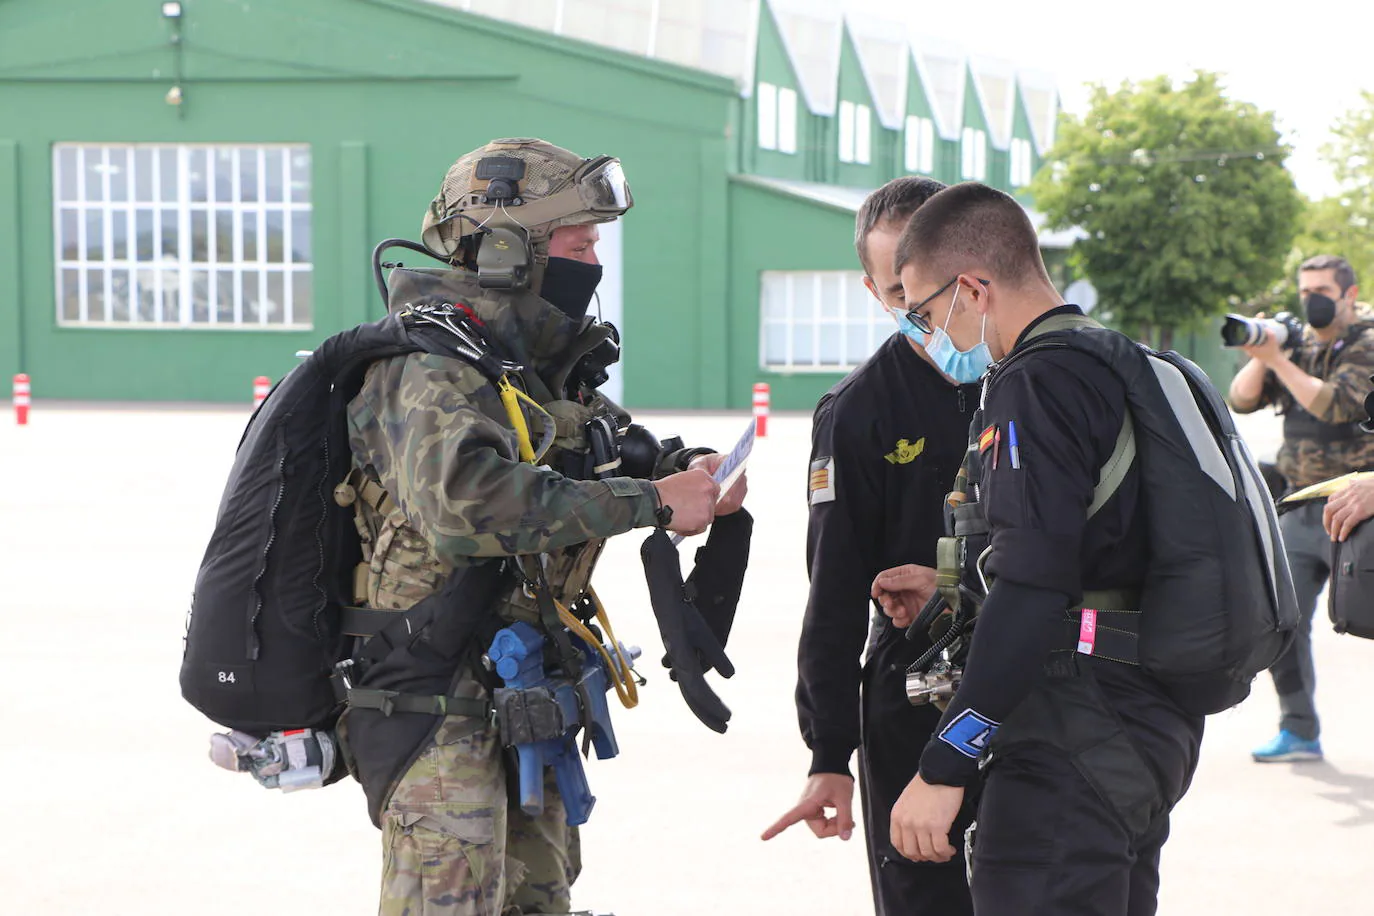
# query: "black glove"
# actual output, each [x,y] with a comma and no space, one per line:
[692,648]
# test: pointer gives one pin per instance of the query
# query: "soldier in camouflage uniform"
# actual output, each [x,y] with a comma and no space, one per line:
[1319,387]
[433,436]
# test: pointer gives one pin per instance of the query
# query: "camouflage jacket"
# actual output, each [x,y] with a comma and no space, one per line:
[1326,440]
[434,433]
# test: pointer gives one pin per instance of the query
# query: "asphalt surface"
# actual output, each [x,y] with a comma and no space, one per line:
[110,805]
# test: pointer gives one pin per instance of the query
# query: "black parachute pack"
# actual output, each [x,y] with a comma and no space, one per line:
[264,631]
[1218,604]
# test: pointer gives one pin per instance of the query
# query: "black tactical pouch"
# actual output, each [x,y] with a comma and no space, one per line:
[435,647]
[1351,595]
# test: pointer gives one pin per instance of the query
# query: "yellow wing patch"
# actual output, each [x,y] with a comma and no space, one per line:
[906,452]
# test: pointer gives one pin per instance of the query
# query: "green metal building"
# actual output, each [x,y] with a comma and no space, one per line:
[190,192]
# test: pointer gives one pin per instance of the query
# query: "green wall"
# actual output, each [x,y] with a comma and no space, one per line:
[773,65]
[383,128]
[818,237]
[854,88]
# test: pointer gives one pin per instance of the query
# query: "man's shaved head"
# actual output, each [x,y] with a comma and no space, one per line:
[894,202]
[971,227]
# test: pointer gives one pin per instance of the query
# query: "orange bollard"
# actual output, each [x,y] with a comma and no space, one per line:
[761,396]
[261,386]
[21,399]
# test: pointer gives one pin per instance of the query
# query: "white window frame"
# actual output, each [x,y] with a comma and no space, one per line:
[863,134]
[974,149]
[802,290]
[911,140]
[846,137]
[175,308]
[919,140]
[1022,162]
[766,100]
[787,120]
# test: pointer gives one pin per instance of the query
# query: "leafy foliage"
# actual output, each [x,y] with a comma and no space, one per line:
[1339,225]
[1183,195]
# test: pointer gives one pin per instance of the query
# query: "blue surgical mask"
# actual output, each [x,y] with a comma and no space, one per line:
[909,330]
[964,366]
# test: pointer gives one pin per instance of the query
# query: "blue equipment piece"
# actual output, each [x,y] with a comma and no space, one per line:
[540,717]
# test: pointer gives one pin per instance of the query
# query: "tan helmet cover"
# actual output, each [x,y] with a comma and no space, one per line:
[560,188]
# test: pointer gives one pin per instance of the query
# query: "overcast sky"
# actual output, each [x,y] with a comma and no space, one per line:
[1308,70]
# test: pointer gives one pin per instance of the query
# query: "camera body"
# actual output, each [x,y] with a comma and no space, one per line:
[1240,331]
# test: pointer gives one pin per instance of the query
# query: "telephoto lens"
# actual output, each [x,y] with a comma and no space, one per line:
[1240,331]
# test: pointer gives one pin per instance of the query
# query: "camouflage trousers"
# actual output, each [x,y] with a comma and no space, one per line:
[453,846]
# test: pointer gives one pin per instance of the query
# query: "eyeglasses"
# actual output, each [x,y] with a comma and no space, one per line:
[921,322]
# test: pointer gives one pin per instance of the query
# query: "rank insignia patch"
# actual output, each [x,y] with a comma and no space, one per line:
[906,452]
[821,487]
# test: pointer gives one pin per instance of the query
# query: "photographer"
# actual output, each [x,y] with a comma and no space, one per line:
[1318,383]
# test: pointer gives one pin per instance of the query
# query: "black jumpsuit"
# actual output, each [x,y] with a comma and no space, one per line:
[1060,832]
[886,444]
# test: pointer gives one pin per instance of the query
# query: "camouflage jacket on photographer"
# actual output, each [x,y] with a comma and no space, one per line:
[434,433]
[1326,441]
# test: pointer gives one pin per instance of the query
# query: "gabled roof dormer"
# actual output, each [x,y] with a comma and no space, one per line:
[811,31]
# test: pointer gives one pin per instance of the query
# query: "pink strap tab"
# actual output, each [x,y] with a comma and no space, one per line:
[1087,631]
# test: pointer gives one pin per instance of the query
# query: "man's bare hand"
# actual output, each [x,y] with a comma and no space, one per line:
[734,497]
[823,792]
[903,590]
[1346,509]
[692,496]
[1266,351]
[922,818]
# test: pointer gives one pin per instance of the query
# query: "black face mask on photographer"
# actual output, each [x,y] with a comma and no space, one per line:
[1321,310]
[568,286]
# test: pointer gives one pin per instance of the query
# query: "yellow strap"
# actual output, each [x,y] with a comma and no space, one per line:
[617,668]
[511,397]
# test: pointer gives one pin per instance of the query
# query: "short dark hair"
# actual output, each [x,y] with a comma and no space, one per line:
[893,202]
[1345,274]
[970,224]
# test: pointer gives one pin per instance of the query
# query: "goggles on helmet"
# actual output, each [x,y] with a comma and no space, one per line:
[602,186]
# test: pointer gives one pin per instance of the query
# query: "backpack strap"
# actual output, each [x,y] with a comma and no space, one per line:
[1124,452]
[1066,321]
[1118,463]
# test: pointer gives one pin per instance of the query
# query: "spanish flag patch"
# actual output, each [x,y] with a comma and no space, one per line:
[987,437]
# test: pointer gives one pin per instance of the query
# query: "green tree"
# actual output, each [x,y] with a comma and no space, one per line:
[1332,225]
[1340,224]
[1182,195]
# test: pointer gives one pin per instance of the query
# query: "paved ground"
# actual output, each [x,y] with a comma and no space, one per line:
[110,806]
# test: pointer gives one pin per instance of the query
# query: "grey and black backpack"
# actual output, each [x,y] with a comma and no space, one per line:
[1218,604]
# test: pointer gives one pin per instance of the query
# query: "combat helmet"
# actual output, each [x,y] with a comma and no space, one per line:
[499,204]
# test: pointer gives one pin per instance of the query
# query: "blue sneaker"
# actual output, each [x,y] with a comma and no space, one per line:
[1287,747]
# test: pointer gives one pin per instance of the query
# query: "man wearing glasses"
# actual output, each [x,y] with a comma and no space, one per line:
[886,444]
[1081,757]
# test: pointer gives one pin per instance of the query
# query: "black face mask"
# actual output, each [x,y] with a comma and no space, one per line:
[1321,310]
[568,286]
